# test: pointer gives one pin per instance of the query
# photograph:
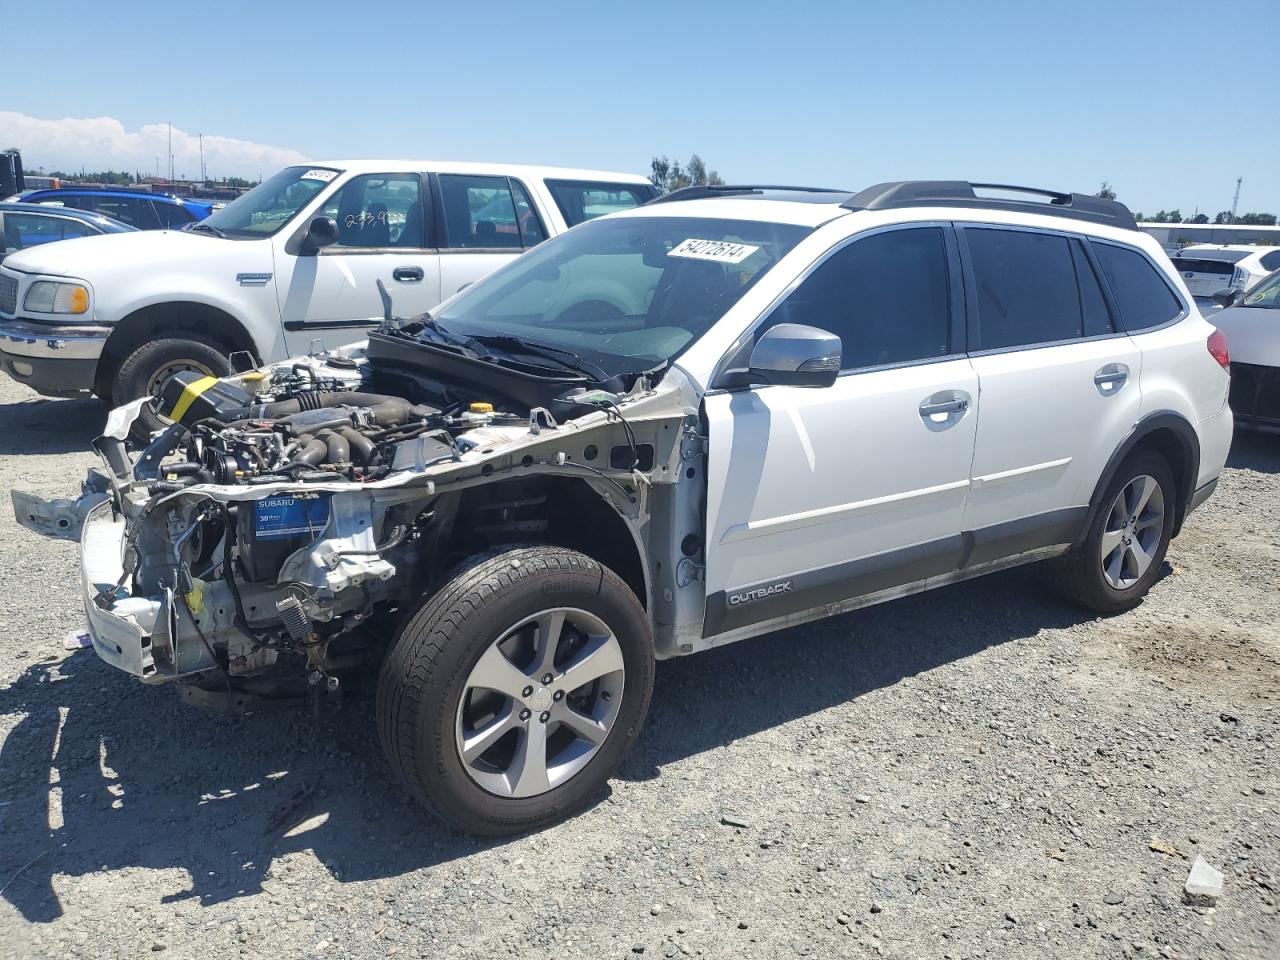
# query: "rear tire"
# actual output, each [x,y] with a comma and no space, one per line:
[485,721]
[144,371]
[1121,556]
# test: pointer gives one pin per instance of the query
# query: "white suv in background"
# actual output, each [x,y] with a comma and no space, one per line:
[1208,268]
[293,261]
[726,412]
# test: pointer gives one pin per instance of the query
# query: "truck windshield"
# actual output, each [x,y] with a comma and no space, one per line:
[271,204]
[627,293]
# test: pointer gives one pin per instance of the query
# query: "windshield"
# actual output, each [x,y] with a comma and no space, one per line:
[271,204]
[628,293]
[1265,294]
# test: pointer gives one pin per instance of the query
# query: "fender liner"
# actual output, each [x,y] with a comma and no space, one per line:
[1187,472]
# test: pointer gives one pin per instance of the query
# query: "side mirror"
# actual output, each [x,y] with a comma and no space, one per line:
[321,232]
[1228,297]
[794,355]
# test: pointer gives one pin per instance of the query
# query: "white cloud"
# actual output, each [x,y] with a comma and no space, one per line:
[100,143]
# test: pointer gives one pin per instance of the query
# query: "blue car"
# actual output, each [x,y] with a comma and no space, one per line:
[146,211]
[30,224]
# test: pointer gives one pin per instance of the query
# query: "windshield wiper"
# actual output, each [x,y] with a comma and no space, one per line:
[566,358]
[209,228]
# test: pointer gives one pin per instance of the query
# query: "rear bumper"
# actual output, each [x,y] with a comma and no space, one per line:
[55,360]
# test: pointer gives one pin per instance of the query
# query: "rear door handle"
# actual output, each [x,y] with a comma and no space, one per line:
[407,274]
[1111,378]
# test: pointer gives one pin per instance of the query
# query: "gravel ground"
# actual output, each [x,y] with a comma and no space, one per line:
[979,771]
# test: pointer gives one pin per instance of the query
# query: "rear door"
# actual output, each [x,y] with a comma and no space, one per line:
[332,295]
[819,495]
[485,222]
[1059,382]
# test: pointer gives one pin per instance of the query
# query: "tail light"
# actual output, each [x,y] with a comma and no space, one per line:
[1217,344]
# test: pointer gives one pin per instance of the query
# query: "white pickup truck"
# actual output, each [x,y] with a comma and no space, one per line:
[293,262]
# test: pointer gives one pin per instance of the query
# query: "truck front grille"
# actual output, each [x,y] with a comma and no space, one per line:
[8,294]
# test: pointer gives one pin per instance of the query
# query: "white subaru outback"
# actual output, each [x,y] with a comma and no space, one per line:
[727,411]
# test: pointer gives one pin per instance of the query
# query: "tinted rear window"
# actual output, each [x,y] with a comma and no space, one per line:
[1186,265]
[1226,256]
[1027,290]
[1140,292]
[581,200]
[1271,261]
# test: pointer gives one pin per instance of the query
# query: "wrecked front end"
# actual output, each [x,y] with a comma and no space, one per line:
[272,539]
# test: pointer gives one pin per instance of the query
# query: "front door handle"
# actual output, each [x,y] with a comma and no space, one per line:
[407,274]
[943,410]
[1111,378]
[958,405]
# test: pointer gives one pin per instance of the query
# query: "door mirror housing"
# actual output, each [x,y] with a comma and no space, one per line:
[791,355]
[1228,297]
[321,232]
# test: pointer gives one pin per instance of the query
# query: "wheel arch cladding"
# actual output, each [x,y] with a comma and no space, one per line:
[1173,437]
[171,319]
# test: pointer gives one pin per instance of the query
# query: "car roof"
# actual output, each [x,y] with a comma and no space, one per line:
[1227,248]
[805,212]
[457,166]
[53,194]
[900,201]
[67,213]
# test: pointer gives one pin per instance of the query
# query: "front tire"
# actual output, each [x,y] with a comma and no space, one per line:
[1121,556]
[511,697]
[144,371]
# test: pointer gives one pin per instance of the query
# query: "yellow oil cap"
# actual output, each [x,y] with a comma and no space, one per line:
[254,375]
[480,407]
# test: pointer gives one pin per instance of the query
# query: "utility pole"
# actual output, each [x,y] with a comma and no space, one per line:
[170,151]
[202,176]
[1235,201]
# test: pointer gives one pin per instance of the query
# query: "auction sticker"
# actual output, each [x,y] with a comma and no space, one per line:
[721,251]
[322,175]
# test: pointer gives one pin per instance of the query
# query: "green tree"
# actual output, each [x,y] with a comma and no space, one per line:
[1105,191]
[1259,219]
[1224,217]
[1200,218]
[668,175]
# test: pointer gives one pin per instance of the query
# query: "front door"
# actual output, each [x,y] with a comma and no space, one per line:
[818,495]
[332,295]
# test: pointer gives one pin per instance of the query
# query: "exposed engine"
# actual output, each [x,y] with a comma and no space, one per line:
[297,427]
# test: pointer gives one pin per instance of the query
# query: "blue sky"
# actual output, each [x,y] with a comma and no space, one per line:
[1170,101]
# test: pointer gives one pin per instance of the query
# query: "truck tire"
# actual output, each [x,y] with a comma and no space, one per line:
[144,371]
[512,695]
[1121,556]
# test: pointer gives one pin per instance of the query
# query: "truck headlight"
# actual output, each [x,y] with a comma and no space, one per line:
[46,296]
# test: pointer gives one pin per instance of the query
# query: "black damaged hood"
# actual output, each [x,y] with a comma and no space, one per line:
[403,351]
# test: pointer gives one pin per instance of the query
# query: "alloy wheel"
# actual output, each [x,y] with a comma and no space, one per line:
[1132,532]
[540,702]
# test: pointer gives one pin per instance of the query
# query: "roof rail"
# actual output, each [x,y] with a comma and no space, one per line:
[734,190]
[961,193]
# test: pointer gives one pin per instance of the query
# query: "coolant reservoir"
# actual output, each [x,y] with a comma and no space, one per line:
[255,382]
